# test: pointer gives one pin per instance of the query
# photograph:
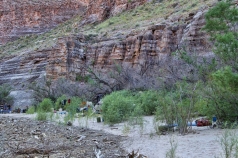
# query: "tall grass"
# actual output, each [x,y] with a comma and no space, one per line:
[44,109]
[72,109]
[31,110]
[229,143]
[171,153]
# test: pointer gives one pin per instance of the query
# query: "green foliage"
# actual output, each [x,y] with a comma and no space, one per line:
[229,143]
[59,102]
[72,108]
[88,114]
[81,78]
[166,108]
[126,105]
[42,116]
[172,151]
[221,95]
[117,106]
[31,110]
[136,117]
[44,110]
[90,37]
[221,24]
[221,92]
[226,80]
[45,106]
[148,101]
[178,105]
[4,94]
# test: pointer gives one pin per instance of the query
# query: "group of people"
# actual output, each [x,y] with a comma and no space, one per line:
[84,106]
[5,108]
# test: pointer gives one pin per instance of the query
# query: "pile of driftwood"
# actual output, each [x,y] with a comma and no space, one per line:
[23,137]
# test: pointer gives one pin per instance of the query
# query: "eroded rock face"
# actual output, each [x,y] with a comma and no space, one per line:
[102,9]
[22,99]
[69,54]
[19,18]
[157,43]
[23,17]
[68,57]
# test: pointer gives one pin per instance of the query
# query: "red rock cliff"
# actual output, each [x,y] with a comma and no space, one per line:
[21,17]
[101,9]
[67,57]
[24,17]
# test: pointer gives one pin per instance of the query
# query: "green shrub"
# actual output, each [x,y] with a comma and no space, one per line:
[148,101]
[178,105]
[222,90]
[229,143]
[44,109]
[42,116]
[72,108]
[81,78]
[118,106]
[110,22]
[46,105]
[5,94]
[136,118]
[31,110]
[58,103]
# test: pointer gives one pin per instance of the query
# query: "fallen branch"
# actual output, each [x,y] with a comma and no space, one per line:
[98,153]
[134,154]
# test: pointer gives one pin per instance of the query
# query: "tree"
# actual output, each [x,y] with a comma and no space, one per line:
[178,105]
[221,95]
[221,24]
[5,94]
[222,91]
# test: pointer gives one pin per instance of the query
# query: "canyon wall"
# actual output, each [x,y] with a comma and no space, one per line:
[24,17]
[71,54]
[101,9]
[158,42]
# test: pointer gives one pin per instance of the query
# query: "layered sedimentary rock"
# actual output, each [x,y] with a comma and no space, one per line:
[24,17]
[18,18]
[99,10]
[70,54]
[65,58]
[156,44]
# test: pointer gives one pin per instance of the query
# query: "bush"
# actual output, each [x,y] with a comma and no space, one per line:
[118,106]
[229,143]
[43,109]
[58,103]
[72,108]
[221,95]
[42,116]
[31,110]
[148,101]
[4,94]
[177,105]
[81,78]
[46,105]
